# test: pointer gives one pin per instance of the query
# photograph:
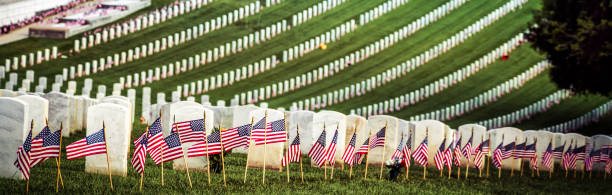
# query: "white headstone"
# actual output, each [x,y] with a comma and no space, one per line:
[115,119]
[14,128]
[59,111]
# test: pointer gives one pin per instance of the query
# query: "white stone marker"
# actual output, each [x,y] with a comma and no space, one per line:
[117,126]
[14,128]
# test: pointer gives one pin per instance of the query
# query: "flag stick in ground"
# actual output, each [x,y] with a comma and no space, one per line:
[499,169]
[333,159]
[488,157]
[408,157]
[550,171]
[263,176]
[246,166]
[161,152]
[184,158]
[459,166]
[566,170]
[367,157]
[142,174]
[110,177]
[451,161]
[467,165]
[301,170]
[480,169]
[28,180]
[207,157]
[286,143]
[324,159]
[351,168]
[583,168]
[382,162]
[57,160]
[514,150]
[222,158]
[425,166]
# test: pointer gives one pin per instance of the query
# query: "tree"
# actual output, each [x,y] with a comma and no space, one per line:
[575,35]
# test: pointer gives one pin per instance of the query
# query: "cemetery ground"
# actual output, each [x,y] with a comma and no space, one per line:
[77,181]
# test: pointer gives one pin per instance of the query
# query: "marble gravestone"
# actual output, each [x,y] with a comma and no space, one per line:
[355,124]
[558,141]
[576,141]
[436,131]
[59,111]
[509,134]
[304,120]
[272,153]
[543,139]
[242,116]
[117,129]
[121,100]
[332,120]
[38,110]
[598,142]
[187,111]
[14,128]
[465,132]
[375,124]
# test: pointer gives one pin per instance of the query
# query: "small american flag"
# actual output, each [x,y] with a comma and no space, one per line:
[23,156]
[605,153]
[362,152]
[508,150]
[420,155]
[558,152]
[467,149]
[212,146]
[172,149]
[529,151]
[439,158]
[90,145]
[406,151]
[259,129]
[349,151]
[547,156]
[293,153]
[191,131]
[580,152]
[330,154]
[139,156]
[397,154]
[534,162]
[588,161]
[519,150]
[45,145]
[379,139]
[448,156]
[567,158]
[317,152]
[478,160]
[485,147]
[457,152]
[236,137]
[497,156]
[274,134]
[155,141]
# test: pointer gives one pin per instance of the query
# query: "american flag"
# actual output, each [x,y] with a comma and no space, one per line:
[605,153]
[293,153]
[155,141]
[588,161]
[478,159]
[448,156]
[497,156]
[508,150]
[172,149]
[361,152]
[236,137]
[439,158]
[397,154]
[574,157]
[567,158]
[457,152]
[349,151]
[519,149]
[90,145]
[330,154]
[275,133]
[534,162]
[547,156]
[317,152]
[407,152]
[485,146]
[139,156]
[379,139]
[191,131]
[467,149]
[212,146]
[529,151]
[580,152]
[258,129]
[45,145]
[420,155]
[23,156]
[558,152]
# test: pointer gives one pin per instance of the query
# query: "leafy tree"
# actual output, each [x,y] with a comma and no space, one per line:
[575,35]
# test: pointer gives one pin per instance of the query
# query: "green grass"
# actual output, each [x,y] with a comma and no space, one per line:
[77,181]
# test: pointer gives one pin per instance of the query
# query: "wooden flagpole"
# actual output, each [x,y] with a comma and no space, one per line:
[499,169]
[408,157]
[332,163]
[184,158]
[110,177]
[552,168]
[365,176]
[570,146]
[263,176]
[161,151]
[353,159]
[583,168]
[142,174]
[382,163]
[441,170]
[222,158]
[459,166]
[57,160]
[287,144]
[467,165]
[451,161]
[300,153]
[425,166]
[207,156]
[246,166]
[488,157]
[28,180]
[324,157]
[480,170]
[514,150]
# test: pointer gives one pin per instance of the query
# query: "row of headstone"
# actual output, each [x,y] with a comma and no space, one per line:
[172,40]
[527,112]
[318,42]
[212,55]
[272,2]
[584,120]
[380,10]
[315,10]
[26,83]
[31,59]
[398,71]
[138,23]
[330,69]
[459,109]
